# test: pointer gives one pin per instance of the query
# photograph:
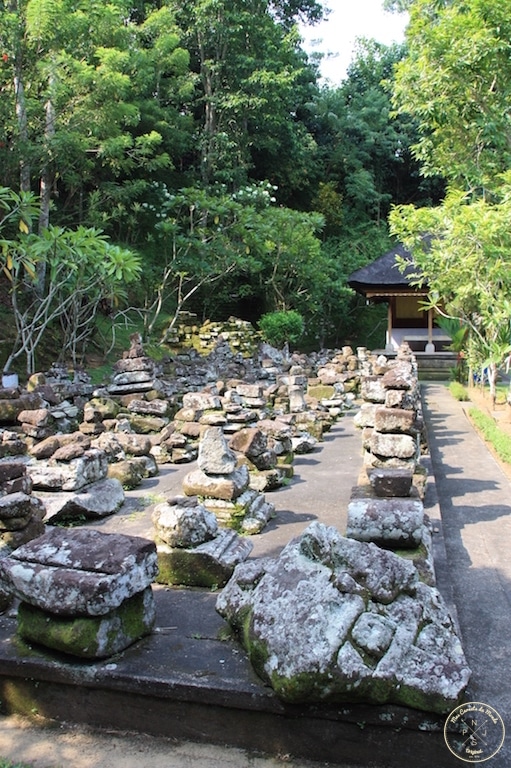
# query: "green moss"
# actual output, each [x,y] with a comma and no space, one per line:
[88,636]
[182,568]
[321,391]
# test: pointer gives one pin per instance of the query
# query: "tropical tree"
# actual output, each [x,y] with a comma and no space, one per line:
[66,61]
[466,263]
[253,80]
[456,81]
[81,267]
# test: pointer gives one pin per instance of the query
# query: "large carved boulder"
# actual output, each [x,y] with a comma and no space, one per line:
[338,620]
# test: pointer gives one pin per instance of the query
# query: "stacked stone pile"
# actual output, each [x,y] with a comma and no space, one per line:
[391,416]
[341,368]
[73,385]
[239,335]
[267,451]
[15,401]
[386,507]
[192,550]
[83,592]
[224,486]
[71,477]
[21,513]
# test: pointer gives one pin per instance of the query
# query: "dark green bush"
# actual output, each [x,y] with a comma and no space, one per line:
[279,328]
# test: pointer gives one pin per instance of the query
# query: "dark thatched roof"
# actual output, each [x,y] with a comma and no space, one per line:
[383,273]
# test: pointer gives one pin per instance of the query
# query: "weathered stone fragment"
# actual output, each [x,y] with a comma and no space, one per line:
[79,571]
[91,637]
[202,401]
[336,620]
[17,537]
[228,487]
[215,457]
[390,523]
[366,415]
[146,424]
[36,418]
[70,475]
[184,522]
[372,389]
[20,505]
[395,445]
[129,472]
[94,502]
[209,564]
[402,375]
[46,448]
[391,482]
[395,420]
[11,469]
[249,512]
[154,407]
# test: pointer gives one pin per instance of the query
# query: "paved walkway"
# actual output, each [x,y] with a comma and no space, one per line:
[474,497]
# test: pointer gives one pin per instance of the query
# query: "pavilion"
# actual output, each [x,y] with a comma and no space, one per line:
[407,320]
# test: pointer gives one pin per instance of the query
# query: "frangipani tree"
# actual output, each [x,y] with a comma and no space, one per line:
[81,267]
[466,262]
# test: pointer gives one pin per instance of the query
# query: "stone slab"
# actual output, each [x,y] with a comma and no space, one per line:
[387,522]
[209,565]
[79,572]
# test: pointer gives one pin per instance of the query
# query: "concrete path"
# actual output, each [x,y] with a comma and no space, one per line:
[474,497]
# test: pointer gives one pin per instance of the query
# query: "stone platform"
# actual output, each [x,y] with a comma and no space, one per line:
[191,680]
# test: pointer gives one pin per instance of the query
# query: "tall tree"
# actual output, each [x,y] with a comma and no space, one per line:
[80,59]
[456,80]
[253,79]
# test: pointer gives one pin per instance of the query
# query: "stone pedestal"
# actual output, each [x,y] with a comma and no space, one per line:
[192,550]
[83,592]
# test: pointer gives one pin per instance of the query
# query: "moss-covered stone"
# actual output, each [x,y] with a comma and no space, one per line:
[90,637]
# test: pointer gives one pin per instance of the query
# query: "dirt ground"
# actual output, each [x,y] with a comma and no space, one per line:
[70,746]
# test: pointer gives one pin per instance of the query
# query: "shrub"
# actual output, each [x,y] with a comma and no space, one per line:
[281,327]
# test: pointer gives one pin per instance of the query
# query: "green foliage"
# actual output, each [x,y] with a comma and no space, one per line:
[5,763]
[467,265]
[458,391]
[58,276]
[279,328]
[500,441]
[456,82]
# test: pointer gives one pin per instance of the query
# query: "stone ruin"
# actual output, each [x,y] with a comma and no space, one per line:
[357,618]
[386,506]
[337,620]
[382,635]
[83,592]
[192,549]
[223,485]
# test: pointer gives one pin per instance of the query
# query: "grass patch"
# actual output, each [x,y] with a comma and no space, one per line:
[4,763]
[458,391]
[500,441]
